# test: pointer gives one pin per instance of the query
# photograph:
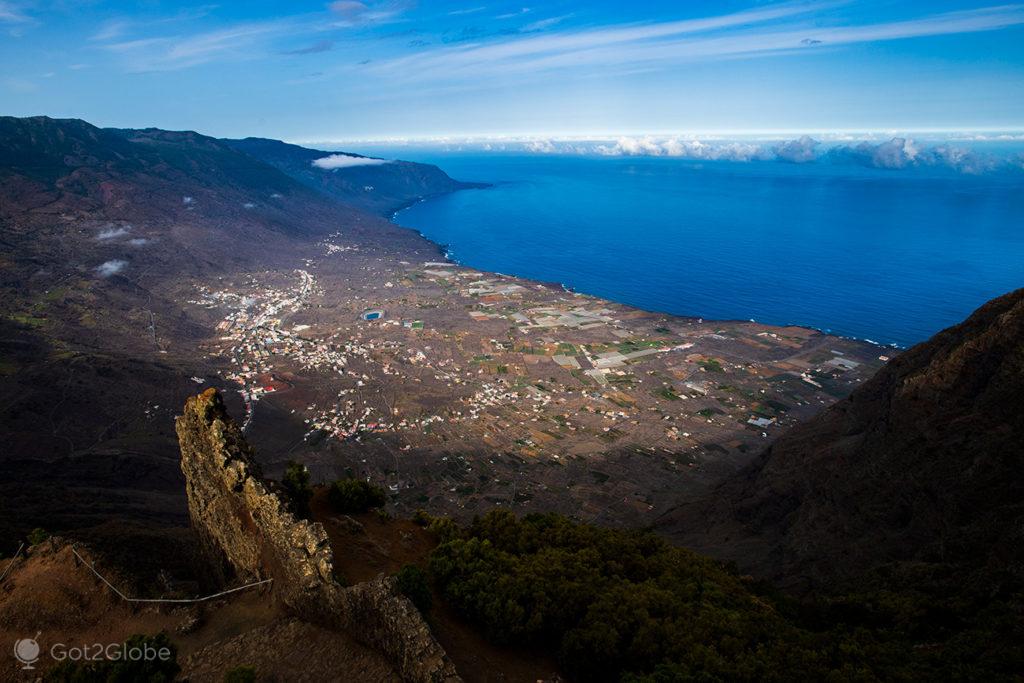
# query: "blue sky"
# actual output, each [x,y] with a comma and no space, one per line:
[349,70]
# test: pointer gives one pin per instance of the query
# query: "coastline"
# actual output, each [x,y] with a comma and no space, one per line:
[445,252]
[461,355]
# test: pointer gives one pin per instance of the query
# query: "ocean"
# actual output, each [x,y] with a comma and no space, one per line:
[887,255]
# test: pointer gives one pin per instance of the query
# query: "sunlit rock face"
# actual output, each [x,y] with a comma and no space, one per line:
[249,533]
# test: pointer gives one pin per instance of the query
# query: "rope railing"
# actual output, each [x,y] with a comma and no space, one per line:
[7,569]
[91,567]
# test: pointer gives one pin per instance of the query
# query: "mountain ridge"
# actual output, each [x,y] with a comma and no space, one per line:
[917,470]
[104,232]
[391,183]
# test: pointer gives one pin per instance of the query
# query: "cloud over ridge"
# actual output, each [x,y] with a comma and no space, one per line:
[336,161]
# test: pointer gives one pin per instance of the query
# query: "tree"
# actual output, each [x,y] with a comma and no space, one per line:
[413,584]
[353,496]
[296,483]
[37,536]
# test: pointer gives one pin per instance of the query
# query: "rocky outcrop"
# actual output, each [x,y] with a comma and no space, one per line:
[248,532]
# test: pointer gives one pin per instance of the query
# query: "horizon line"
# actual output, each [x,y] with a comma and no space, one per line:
[606,135]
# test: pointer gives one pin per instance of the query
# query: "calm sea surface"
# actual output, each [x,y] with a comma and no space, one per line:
[892,256]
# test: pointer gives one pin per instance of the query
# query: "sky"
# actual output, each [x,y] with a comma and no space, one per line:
[400,69]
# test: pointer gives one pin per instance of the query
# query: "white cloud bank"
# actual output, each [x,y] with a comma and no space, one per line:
[541,146]
[113,267]
[894,153]
[336,161]
[683,148]
[875,149]
[899,153]
[798,151]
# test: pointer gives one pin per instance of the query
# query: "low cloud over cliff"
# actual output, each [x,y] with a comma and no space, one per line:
[336,161]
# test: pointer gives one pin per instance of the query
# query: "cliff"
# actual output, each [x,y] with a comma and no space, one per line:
[249,533]
[915,477]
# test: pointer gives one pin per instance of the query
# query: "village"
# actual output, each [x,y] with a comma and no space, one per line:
[457,388]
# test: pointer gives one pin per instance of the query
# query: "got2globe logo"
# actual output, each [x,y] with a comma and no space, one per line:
[26,651]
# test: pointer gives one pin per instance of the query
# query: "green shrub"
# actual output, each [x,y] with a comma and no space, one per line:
[240,674]
[296,483]
[37,536]
[421,517]
[123,670]
[413,584]
[354,495]
[444,528]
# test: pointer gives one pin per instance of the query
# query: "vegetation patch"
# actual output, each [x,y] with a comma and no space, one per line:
[37,536]
[667,393]
[634,345]
[351,496]
[620,605]
[412,583]
[296,483]
[711,365]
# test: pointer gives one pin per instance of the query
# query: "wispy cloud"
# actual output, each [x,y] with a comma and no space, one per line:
[111,30]
[203,47]
[511,15]
[542,24]
[12,14]
[355,13]
[570,43]
[467,10]
[115,28]
[767,30]
[315,48]
[19,84]
[177,52]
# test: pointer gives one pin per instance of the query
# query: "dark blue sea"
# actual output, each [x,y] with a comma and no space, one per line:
[887,255]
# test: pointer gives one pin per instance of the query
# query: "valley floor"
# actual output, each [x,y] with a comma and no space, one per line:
[458,390]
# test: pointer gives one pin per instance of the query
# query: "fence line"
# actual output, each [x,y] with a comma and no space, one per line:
[112,587]
[7,569]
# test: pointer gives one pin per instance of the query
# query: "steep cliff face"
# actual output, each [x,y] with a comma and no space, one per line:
[918,471]
[248,532]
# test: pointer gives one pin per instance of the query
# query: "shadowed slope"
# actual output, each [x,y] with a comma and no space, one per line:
[917,471]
